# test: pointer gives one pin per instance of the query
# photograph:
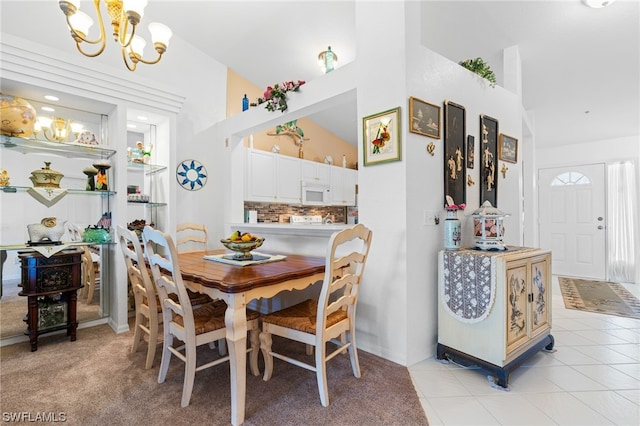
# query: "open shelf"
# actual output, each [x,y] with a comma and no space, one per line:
[69,190]
[62,149]
[145,167]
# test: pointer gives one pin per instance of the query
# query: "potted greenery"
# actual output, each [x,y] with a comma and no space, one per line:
[481,68]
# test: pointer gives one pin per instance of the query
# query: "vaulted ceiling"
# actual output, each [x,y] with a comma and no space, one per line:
[580,66]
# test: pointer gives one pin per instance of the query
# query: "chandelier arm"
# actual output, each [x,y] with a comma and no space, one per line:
[79,37]
[133,65]
[91,55]
[82,38]
[123,31]
[151,62]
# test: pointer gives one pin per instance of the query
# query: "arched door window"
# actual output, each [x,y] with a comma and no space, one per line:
[570,178]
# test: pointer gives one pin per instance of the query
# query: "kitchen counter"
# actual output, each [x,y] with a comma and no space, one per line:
[289,229]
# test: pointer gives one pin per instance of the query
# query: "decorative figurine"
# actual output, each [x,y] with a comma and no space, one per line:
[137,153]
[4,178]
[47,231]
[504,171]
[431,148]
[87,137]
[91,172]
[101,177]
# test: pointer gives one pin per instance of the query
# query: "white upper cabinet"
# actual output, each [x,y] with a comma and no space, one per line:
[276,178]
[261,176]
[288,180]
[343,186]
[315,172]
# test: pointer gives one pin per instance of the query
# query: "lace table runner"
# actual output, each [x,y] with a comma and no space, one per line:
[469,282]
[468,287]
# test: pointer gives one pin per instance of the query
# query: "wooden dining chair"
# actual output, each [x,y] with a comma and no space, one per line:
[90,274]
[191,237]
[148,311]
[331,318]
[190,326]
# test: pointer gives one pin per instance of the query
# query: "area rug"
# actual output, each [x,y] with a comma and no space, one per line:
[599,296]
[96,381]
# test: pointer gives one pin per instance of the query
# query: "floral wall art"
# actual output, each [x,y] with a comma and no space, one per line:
[381,137]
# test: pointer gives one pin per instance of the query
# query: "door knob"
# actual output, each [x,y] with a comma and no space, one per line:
[600,227]
[600,218]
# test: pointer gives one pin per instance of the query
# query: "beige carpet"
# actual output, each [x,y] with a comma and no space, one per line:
[599,296]
[96,381]
[14,308]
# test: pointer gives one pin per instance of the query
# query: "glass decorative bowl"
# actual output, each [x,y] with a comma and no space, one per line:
[242,250]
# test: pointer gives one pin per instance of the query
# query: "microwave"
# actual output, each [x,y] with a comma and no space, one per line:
[315,194]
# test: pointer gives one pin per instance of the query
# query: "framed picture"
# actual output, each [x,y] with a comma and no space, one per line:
[488,153]
[381,137]
[455,172]
[425,118]
[507,148]
[471,152]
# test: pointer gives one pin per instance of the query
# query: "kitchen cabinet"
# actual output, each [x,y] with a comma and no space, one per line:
[315,172]
[272,178]
[343,186]
[288,180]
[261,176]
[497,315]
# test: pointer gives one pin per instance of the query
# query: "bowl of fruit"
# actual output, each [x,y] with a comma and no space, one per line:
[242,243]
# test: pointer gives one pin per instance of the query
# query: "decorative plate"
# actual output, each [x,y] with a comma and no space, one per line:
[191,175]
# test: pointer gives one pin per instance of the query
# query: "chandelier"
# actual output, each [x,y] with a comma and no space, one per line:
[125,16]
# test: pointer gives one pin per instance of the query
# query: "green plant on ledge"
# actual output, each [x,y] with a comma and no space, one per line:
[479,67]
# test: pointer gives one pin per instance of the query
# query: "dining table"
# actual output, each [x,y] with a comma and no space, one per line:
[239,285]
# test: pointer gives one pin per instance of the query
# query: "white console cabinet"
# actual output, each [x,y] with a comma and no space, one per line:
[494,308]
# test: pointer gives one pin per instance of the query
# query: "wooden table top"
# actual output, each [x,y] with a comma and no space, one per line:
[237,279]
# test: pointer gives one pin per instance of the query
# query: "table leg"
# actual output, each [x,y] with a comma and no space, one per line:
[236,322]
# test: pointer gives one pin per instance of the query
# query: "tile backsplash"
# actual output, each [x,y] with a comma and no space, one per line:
[274,213]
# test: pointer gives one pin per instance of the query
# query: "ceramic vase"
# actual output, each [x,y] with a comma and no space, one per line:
[102,183]
[452,231]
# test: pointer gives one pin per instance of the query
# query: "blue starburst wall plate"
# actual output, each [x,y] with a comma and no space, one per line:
[191,175]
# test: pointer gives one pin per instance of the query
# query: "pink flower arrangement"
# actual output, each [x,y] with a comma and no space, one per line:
[276,96]
[460,206]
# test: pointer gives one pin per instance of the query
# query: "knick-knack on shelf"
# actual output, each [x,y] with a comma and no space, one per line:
[245,103]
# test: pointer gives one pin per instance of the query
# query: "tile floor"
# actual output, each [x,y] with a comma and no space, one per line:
[593,378]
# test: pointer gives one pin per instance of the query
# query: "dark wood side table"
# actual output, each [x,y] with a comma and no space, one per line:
[51,285]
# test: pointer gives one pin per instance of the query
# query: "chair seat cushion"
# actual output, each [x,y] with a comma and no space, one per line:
[210,317]
[302,317]
[198,298]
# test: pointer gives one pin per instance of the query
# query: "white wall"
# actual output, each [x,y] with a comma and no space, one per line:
[397,313]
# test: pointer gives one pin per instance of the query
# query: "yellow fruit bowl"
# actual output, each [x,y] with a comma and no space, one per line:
[241,249]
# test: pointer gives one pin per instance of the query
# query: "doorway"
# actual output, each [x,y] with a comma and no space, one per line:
[572,220]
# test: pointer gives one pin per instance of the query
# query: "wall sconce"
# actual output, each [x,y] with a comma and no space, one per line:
[327,60]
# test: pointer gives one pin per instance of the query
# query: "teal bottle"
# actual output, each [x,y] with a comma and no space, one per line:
[328,60]
[245,103]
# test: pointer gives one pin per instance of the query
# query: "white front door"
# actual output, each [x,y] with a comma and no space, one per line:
[572,220]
